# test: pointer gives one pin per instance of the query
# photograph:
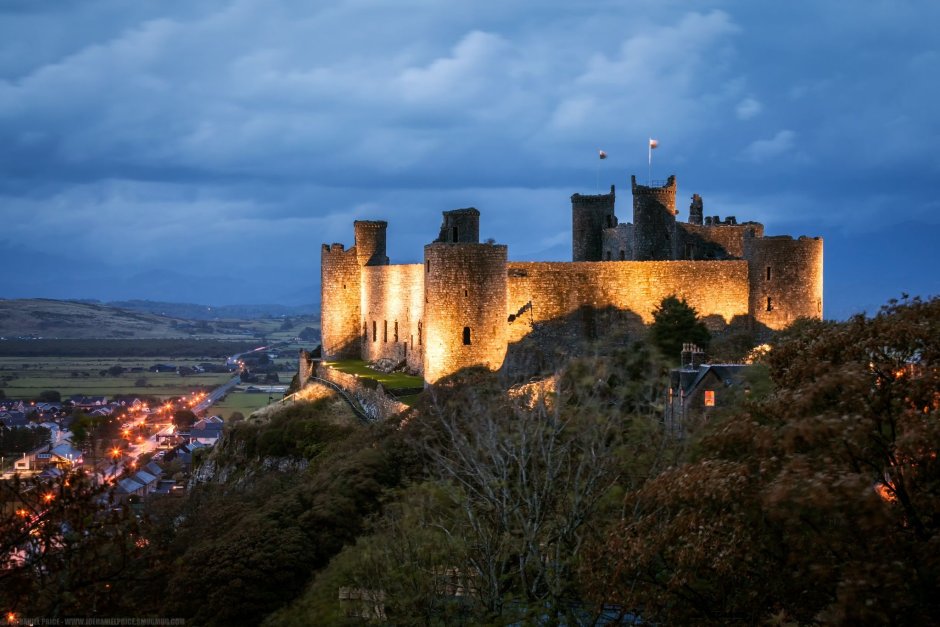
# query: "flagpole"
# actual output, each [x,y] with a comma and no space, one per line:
[649,172]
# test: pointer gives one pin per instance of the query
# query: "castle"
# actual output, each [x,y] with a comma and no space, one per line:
[467,302]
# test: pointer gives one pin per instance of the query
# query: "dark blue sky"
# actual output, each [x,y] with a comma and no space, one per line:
[202,151]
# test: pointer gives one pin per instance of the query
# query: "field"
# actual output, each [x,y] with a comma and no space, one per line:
[239,401]
[26,378]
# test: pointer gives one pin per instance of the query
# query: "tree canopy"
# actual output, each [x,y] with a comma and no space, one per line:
[675,322]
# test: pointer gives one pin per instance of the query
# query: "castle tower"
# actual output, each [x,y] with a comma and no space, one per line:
[460,225]
[339,302]
[696,209]
[590,215]
[370,242]
[465,307]
[654,221]
[785,277]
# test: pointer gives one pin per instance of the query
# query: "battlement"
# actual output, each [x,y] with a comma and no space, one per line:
[585,200]
[333,248]
[460,226]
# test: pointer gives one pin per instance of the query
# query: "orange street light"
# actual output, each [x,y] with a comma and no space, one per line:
[115,452]
[48,496]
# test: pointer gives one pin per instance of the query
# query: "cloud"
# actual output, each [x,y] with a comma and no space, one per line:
[748,108]
[762,150]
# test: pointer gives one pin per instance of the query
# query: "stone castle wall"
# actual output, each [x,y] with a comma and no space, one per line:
[786,279]
[654,221]
[376,403]
[557,289]
[392,310]
[590,214]
[723,241]
[618,243]
[465,305]
[339,302]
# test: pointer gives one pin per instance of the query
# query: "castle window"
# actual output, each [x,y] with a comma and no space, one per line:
[466,336]
[420,329]
[396,330]
[455,233]
[689,250]
[428,265]
[623,255]
[375,333]
[385,330]
[465,293]
[770,304]
[608,255]
[344,286]
[768,273]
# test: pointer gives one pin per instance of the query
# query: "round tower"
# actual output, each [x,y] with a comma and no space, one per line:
[654,221]
[370,242]
[460,226]
[786,279]
[590,215]
[465,307]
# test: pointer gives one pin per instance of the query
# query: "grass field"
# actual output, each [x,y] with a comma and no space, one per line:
[25,379]
[237,401]
[393,380]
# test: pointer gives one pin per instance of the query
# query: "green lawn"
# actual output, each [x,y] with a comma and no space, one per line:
[393,380]
[243,402]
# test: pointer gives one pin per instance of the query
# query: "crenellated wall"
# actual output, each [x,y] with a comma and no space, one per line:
[786,279]
[558,289]
[339,302]
[590,214]
[392,308]
[654,221]
[465,307]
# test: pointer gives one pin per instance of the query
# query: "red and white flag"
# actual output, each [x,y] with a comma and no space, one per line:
[654,143]
[602,154]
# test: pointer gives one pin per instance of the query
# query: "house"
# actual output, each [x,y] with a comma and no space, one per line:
[65,454]
[697,389]
[207,431]
[13,419]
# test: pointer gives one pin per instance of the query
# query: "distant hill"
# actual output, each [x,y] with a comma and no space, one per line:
[33,318]
[190,311]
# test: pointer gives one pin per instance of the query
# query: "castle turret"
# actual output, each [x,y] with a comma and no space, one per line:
[696,209]
[465,307]
[339,302]
[786,279]
[590,215]
[654,221]
[460,225]
[370,242]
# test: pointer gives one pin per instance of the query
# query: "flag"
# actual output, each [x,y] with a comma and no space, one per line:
[602,154]
[653,143]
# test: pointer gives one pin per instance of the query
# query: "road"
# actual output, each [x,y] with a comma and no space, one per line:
[216,394]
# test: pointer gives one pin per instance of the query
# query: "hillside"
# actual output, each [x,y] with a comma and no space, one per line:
[77,320]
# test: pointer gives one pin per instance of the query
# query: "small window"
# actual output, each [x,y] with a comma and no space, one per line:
[689,251]
[375,333]
[344,286]
[608,255]
[709,398]
[770,304]
[396,331]
[466,336]
[385,330]
[623,255]
[420,328]
[455,233]
[768,273]
[428,265]
[465,293]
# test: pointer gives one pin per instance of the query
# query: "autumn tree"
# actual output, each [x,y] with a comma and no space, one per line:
[818,503]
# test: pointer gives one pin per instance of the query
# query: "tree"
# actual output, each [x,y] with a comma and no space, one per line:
[675,322]
[817,503]
[50,396]
[184,419]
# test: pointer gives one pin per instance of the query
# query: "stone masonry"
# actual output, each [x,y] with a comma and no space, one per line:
[466,303]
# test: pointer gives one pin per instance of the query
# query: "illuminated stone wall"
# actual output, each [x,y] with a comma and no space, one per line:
[339,302]
[717,289]
[795,283]
[465,307]
[393,306]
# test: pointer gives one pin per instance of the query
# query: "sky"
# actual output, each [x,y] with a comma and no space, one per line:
[202,151]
